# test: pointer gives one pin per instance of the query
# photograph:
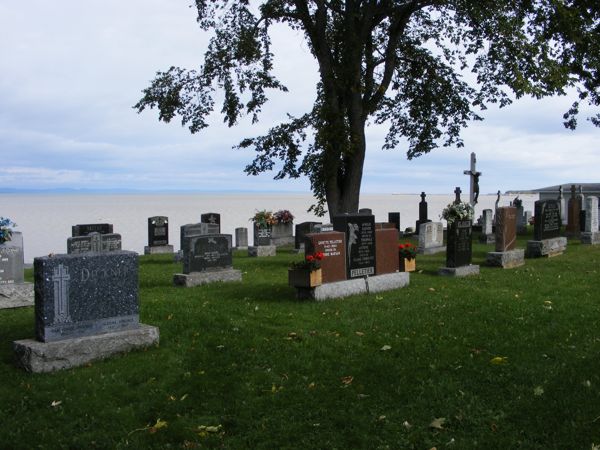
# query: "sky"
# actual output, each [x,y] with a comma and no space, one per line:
[71,71]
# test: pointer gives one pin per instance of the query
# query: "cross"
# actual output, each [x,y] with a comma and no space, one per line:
[60,278]
[457,191]
[474,180]
[422,196]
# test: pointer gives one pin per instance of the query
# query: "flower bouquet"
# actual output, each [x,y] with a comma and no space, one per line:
[457,211]
[6,229]
[306,273]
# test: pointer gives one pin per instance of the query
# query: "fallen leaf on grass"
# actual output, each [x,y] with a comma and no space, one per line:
[438,423]
[386,347]
[359,333]
[157,426]
[348,380]
[432,289]
[406,424]
[205,430]
[183,397]
[499,360]
[312,385]
[55,403]
[538,391]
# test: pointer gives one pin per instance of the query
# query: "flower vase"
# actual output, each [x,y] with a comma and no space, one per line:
[305,278]
[407,265]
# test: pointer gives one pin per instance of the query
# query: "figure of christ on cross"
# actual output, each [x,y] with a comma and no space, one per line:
[474,178]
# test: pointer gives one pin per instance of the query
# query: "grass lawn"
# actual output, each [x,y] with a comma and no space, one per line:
[507,359]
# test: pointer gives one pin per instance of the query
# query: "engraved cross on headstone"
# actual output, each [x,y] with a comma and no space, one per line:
[60,278]
[474,180]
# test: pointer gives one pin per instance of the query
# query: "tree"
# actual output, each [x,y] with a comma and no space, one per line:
[424,68]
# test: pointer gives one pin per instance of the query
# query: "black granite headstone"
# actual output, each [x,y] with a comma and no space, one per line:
[394,217]
[85,229]
[83,295]
[209,252]
[459,248]
[94,242]
[422,213]
[366,211]
[262,235]
[213,218]
[302,229]
[547,220]
[158,231]
[360,243]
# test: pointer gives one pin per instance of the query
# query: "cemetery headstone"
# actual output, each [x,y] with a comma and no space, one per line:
[591,235]
[282,234]
[394,217]
[189,231]
[459,250]
[323,228]
[506,256]
[302,229]
[487,236]
[85,229]
[86,308]
[572,228]
[14,291]
[422,213]
[333,246]
[360,243]
[367,211]
[241,238]
[158,236]
[94,242]
[386,256]
[431,238]
[546,231]
[212,218]
[209,259]
[263,242]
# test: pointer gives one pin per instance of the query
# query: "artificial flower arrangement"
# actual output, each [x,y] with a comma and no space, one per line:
[283,216]
[457,211]
[263,219]
[6,229]
[407,251]
[310,262]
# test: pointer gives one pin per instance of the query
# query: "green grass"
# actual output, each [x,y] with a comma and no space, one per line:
[274,372]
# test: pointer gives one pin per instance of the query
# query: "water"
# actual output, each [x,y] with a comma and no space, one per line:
[45,220]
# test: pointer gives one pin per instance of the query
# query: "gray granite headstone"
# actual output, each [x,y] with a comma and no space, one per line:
[94,242]
[241,238]
[209,253]
[323,228]
[11,264]
[431,235]
[84,295]
[85,229]
[547,220]
[302,229]
[191,230]
[262,235]
[591,214]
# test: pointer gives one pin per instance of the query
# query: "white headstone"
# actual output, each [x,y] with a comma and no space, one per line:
[591,214]
[431,234]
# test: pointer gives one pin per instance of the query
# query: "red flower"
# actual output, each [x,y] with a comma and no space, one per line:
[319,256]
[400,246]
[310,258]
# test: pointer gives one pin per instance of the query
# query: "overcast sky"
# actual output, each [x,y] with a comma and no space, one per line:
[71,71]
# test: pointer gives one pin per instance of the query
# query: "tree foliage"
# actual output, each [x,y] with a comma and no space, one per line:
[424,68]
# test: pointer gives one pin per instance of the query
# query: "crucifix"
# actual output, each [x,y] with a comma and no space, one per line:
[474,181]
[60,279]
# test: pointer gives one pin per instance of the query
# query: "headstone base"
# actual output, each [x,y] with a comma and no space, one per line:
[487,238]
[16,295]
[210,276]
[590,238]
[546,247]
[367,285]
[287,240]
[462,271]
[35,356]
[431,250]
[506,260]
[159,249]
[262,250]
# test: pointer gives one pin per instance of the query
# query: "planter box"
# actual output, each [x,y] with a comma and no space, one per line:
[304,278]
[407,265]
